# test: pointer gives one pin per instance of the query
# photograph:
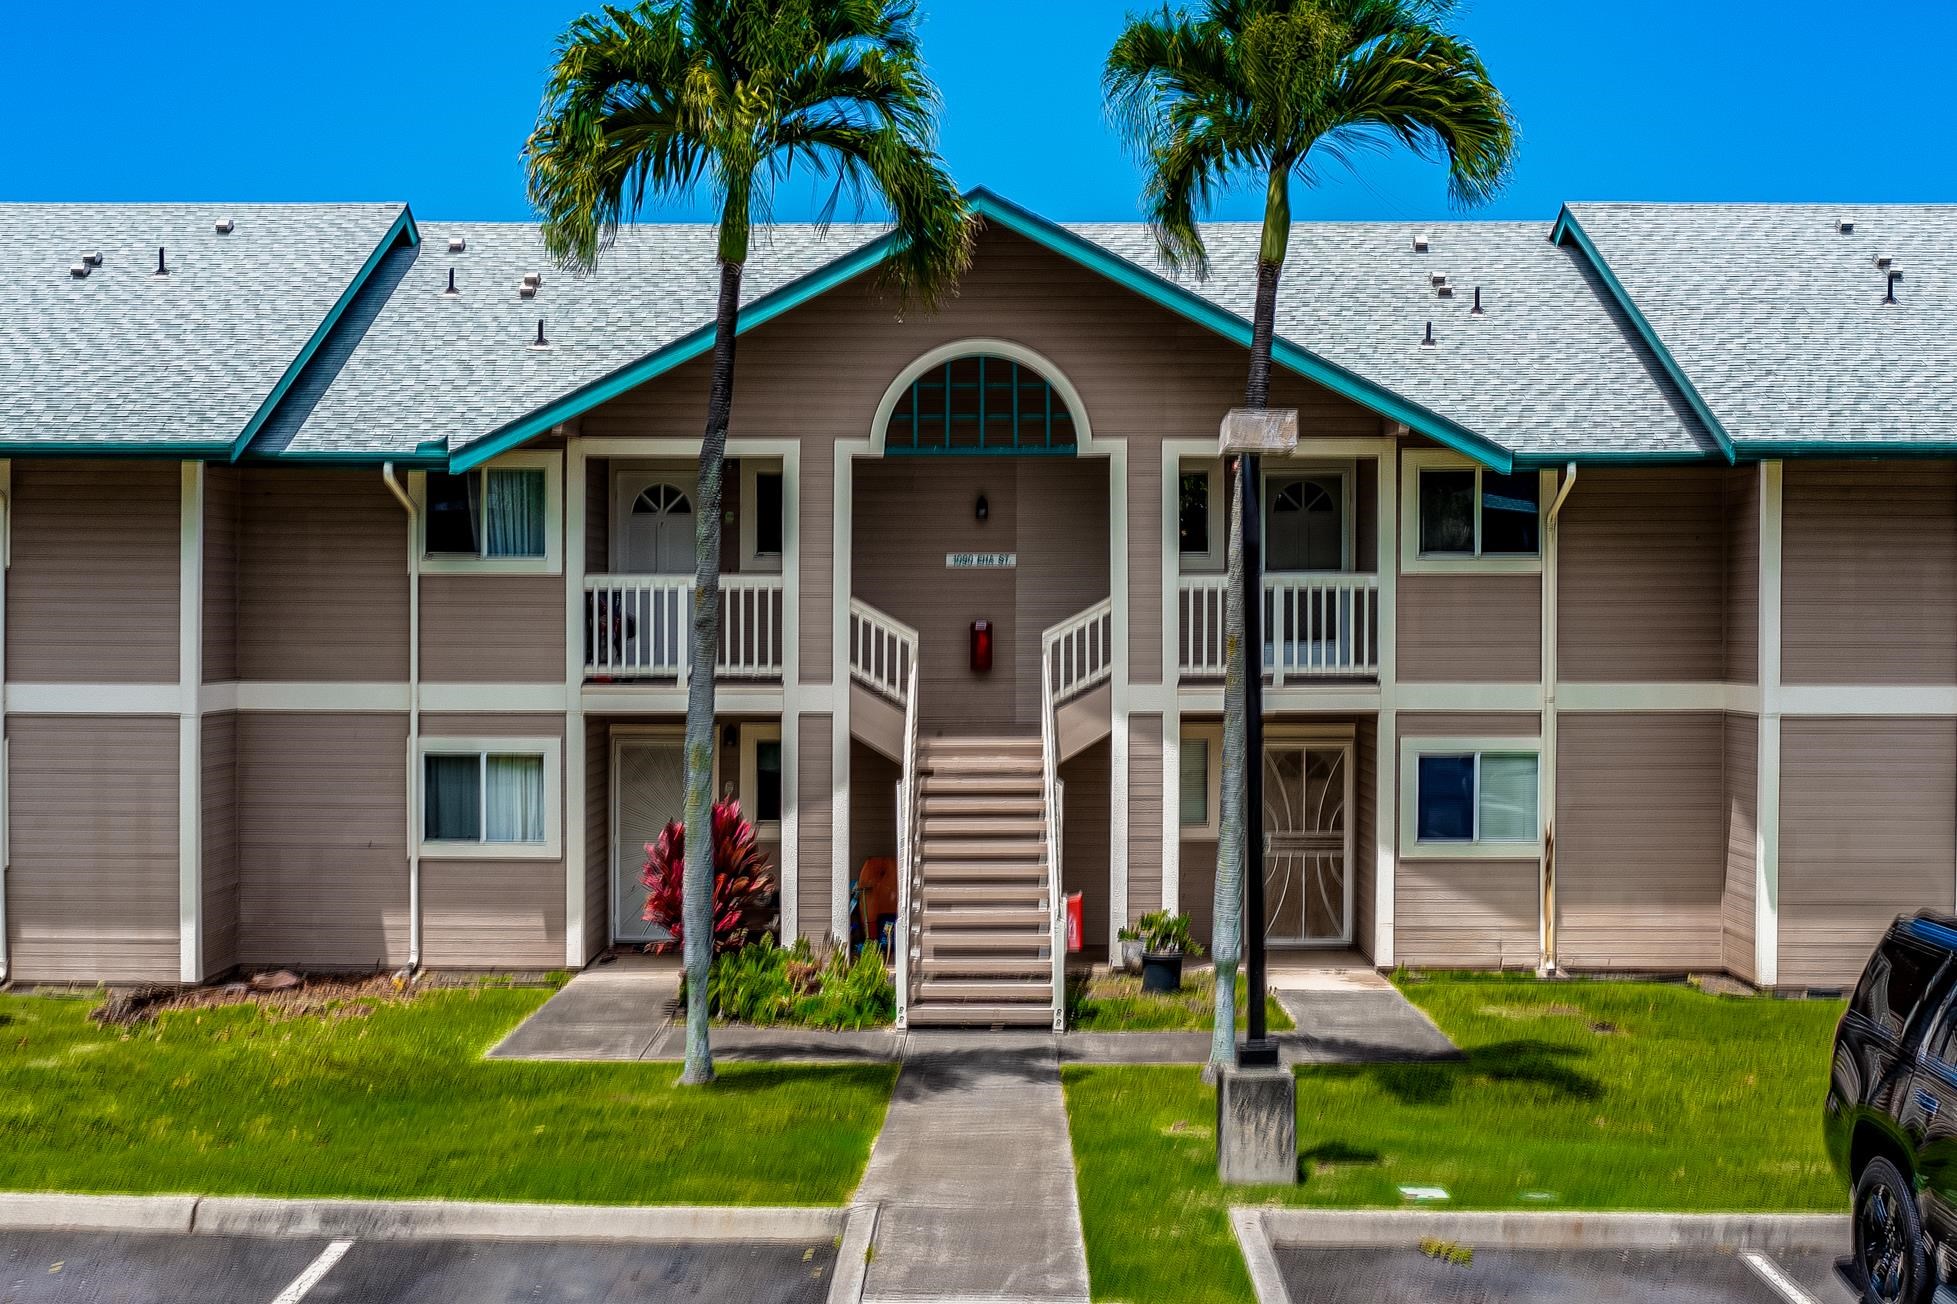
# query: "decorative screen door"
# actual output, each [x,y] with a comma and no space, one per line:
[648,791]
[1308,843]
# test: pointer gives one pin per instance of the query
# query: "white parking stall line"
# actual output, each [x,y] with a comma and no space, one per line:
[305,1281]
[1768,1271]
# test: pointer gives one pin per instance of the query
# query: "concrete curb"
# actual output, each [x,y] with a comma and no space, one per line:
[1259,1257]
[413,1219]
[853,1255]
[1546,1230]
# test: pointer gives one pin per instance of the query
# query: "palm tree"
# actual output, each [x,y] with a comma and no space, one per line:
[1262,92]
[734,96]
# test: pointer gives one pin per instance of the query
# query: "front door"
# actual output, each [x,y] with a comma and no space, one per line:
[1307,843]
[648,792]
[1305,522]
[656,535]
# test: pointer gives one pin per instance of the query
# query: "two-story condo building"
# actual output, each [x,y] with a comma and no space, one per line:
[1611,609]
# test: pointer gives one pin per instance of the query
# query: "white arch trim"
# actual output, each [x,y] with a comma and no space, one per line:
[990,348]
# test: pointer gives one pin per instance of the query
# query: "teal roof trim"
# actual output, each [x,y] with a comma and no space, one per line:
[683,350]
[1167,294]
[1548,461]
[1763,449]
[1568,231]
[403,229]
[1054,238]
[166,452]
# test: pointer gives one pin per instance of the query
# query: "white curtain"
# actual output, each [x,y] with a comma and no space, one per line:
[1508,798]
[514,520]
[515,789]
[451,803]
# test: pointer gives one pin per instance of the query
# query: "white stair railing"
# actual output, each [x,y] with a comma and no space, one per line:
[1075,656]
[883,657]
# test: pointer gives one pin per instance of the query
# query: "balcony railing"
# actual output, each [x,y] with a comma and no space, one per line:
[641,626]
[1319,625]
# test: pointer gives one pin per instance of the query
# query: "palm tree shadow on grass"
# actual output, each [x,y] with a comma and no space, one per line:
[1533,1062]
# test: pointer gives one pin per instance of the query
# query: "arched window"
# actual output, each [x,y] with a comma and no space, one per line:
[980,405]
[662,499]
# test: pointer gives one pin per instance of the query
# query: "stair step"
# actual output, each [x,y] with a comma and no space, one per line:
[982,826]
[986,966]
[980,763]
[944,851]
[948,940]
[938,894]
[997,992]
[996,742]
[995,804]
[953,1015]
[942,785]
[987,917]
[1029,870]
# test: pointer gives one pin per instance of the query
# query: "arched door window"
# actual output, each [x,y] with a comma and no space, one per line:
[1304,522]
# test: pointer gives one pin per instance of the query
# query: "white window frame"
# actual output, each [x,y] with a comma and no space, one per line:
[1348,476]
[1212,736]
[551,563]
[753,560]
[750,781]
[551,750]
[1211,559]
[1412,749]
[1413,562]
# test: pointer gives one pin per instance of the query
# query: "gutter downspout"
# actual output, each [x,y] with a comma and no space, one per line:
[1547,966]
[413,768]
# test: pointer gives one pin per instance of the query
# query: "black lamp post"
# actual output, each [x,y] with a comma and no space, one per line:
[1258,1049]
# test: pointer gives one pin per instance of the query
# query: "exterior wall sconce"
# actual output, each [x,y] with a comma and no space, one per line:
[984,509]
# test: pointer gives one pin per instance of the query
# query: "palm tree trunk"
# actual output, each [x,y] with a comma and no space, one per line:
[697,884]
[1226,939]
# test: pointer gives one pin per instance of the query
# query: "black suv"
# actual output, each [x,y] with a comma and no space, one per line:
[1891,1120]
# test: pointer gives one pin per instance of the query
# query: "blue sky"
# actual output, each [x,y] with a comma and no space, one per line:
[1623,99]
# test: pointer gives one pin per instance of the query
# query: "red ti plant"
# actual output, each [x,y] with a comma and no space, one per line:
[741,885]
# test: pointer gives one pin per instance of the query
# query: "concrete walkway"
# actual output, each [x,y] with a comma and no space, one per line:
[1353,1016]
[974,1175]
[617,1011]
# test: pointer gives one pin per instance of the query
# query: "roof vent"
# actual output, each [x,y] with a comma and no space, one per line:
[1428,342]
[526,291]
[162,268]
[533,279]
[80,270]
[1437,280]
[452,291]
[225,226]
[1476,310]
[1442,290]
[1884,262]
[456,244]
[93,260]
[1843,226]
[540,342]
[1889,295]
[1420,242]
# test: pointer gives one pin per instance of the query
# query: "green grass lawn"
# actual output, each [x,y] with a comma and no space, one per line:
[1590,1095]
[393,1100]
[1115,1002]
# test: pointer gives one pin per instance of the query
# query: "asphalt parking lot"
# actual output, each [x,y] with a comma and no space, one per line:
[99,1268]
[1366,1276]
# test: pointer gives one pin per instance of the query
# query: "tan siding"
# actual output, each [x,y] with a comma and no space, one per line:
[492,913]
[1365,817]
[1084,838]
[1145,546]
[1470,628]
[872,806]
[597,515]
[498,629]
[1144,815]
[1869,573]
[322,840]
[444,724]
[223,508]
[1062,539]
[597,837]
[1467,914]
[93,577]
[322,578]
[1742,768]
[814,766]
[219,837]
[1742,596]
[1641,576]
[1868,823]
[92,887]
[816,507]
[1641,840]
[1196,876]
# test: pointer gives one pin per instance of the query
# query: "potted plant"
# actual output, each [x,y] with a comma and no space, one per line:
[1131,950]
[1165,942]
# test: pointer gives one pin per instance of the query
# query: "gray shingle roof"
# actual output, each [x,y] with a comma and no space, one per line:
[1552,367]
[122,356]
[429,367]
[1777,318]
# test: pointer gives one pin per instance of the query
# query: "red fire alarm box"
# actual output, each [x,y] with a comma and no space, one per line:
[1076,922]
[981,646]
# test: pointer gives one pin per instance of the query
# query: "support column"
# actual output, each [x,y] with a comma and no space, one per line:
[1118,692]
[1766,836]
[578,948]
[1386,771]
[190,724]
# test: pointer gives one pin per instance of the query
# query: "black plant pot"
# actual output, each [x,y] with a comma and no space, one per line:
[1161,971]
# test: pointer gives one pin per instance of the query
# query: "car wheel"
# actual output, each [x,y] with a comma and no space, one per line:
[1890,1248]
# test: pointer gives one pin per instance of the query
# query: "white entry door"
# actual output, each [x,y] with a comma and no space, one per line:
[656,527]
[648,792]
[1308,843]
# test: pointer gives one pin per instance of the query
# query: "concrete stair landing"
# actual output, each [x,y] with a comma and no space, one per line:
[984,916]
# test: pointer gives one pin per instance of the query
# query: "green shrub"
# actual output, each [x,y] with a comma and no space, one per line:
[769,985]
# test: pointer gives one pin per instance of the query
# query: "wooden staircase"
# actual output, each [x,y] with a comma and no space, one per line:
[985,953]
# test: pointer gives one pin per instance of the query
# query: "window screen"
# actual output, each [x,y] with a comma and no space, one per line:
[767,780]
[1195,783]
[451,514]
[1447,512]
[768,523]
[1446,797]
[1510,514]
